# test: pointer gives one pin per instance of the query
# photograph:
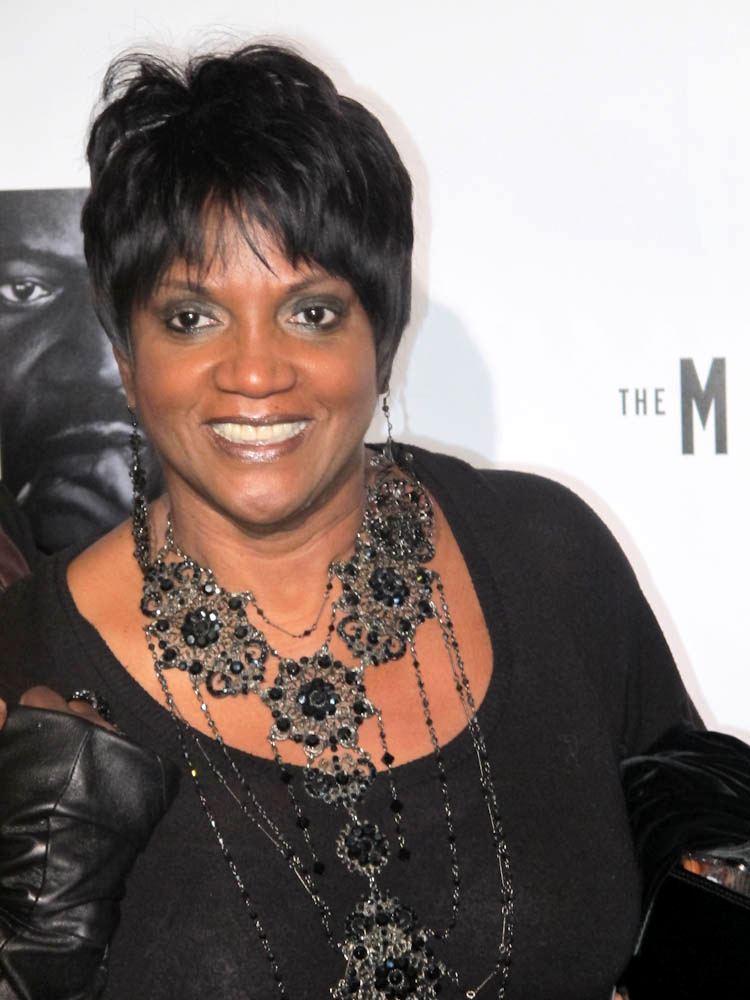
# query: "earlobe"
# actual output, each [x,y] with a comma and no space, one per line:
[125,368]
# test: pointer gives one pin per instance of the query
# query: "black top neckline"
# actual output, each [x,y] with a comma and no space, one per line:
[124,692]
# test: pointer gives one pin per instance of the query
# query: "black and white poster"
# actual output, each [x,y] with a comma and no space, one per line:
[64,424]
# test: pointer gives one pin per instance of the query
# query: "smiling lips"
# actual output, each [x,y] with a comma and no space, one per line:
[259,434]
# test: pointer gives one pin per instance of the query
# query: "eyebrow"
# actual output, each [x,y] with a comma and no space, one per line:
[198,289]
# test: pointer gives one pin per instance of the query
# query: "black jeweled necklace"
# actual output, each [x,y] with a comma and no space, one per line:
[319,702]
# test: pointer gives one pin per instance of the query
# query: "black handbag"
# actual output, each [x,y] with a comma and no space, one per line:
[694,943]
[690,795]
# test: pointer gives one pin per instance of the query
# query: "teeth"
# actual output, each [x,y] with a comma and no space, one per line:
[262,434]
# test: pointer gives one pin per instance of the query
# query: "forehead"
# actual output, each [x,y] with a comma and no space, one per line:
[240,256]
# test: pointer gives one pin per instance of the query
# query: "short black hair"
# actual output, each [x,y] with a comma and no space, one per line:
[263,136]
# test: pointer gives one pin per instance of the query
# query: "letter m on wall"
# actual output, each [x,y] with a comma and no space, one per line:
[703,398]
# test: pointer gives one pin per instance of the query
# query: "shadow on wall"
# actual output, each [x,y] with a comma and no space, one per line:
[442,390]
[64,425]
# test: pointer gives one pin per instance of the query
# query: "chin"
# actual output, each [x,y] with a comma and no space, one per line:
[272,500]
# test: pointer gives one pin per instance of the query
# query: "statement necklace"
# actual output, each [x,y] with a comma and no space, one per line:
[319,702]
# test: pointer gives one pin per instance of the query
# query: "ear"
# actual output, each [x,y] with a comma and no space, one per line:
[125,367]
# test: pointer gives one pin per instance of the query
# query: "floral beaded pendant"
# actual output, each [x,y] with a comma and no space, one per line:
[201,629]
[388,956]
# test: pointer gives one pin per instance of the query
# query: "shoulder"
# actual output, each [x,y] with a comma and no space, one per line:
[45,635]
[100,575]
[520,504]
[538,535]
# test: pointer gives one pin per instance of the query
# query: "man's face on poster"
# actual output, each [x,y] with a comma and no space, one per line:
[64,424]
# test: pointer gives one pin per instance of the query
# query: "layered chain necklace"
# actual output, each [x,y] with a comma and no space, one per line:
[319,702]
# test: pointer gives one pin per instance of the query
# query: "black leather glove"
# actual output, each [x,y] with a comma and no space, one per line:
[690,791]
[77,804]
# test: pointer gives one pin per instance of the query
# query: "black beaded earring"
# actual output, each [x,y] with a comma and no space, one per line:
[388,448]
[141,538]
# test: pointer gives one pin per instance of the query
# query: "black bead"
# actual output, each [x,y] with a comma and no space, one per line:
[318,867]
[303,822]
[387,758]
[404,853]
[235,603]
[397,805]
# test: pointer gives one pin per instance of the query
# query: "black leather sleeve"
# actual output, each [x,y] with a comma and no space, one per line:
[77,804]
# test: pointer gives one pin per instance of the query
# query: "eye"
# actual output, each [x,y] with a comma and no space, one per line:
[317,316]
[189,320]
[25,292]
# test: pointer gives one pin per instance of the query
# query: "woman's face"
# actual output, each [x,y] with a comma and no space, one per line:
[255,384]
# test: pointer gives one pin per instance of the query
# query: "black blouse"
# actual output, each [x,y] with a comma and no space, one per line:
[581,678]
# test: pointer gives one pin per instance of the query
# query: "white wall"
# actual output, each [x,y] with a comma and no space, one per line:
[583,171]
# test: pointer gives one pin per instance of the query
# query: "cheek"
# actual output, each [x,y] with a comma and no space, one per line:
[350,381]
[353,394]
[162,386]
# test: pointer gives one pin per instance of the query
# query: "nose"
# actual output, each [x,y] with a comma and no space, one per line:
[256,361]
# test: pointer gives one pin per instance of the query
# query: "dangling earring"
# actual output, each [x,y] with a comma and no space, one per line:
[388,449]
[141,537]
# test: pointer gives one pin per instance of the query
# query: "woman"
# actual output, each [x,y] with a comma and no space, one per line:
[400,687]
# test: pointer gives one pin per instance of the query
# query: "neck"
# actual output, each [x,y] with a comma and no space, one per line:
[285,565]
